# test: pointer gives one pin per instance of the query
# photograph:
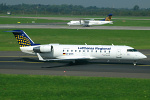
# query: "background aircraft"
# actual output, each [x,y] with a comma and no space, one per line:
[90,22]
[75,52]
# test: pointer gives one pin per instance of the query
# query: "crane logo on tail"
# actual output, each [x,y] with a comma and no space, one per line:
[23,41]
[22,38]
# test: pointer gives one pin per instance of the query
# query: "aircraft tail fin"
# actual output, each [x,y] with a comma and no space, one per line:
[108,18]
[22,38]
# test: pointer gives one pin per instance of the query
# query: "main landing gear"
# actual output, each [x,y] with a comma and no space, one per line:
[78,62]
[134,63]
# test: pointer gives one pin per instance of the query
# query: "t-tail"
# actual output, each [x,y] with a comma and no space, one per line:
[23,39]
[108,18]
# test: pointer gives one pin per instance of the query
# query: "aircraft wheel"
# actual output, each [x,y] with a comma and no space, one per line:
[134,63]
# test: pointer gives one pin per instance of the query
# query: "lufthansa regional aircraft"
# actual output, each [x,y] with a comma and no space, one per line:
[54,52]
[88,23]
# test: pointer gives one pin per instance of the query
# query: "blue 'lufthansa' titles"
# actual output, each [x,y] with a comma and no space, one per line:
[94,48]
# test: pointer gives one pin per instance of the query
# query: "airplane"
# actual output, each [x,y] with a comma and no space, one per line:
[90,22]
[56,52]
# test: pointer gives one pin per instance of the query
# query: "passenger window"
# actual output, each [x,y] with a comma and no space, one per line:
[67,50]
[75,50]
[71,50]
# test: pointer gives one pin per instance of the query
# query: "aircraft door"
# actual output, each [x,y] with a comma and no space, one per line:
[118,55]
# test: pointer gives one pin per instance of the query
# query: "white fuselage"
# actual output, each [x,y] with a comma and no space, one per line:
[86,52]
[89,22]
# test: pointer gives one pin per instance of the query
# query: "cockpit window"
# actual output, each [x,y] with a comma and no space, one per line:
[131,50]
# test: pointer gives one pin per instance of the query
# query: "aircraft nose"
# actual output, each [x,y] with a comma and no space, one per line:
[143,56]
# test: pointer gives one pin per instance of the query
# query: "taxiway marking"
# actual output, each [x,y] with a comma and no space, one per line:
[19,62]
[143,65]
[16,56]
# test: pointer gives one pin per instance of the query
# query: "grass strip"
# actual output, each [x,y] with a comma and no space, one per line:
[26,20]
[36,87]
[75,16]
[134,38]
[117,22]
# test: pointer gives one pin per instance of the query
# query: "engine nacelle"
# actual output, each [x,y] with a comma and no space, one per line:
[42,49]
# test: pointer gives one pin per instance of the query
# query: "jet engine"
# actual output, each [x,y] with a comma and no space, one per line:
[43,49]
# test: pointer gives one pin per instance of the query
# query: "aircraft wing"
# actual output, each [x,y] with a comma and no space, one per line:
[75,57]
[65,58]
[86,22]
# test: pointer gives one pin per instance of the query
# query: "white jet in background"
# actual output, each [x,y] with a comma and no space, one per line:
[54,52]
[90,22]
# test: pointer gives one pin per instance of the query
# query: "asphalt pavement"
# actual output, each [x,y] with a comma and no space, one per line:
[16,62]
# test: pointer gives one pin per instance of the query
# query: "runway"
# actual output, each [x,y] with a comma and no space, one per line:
[61,26]
[16,62]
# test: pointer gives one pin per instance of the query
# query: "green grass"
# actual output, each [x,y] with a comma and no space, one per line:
[126,22]
[41,15]
[134,38]
[117,22]
[69,16]
[26,20]
[76,16]
[32,87]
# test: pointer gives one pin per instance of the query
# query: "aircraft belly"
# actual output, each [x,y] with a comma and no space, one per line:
[76,24]
[48,55]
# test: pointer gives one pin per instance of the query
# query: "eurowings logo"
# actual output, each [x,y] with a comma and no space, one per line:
[23,41]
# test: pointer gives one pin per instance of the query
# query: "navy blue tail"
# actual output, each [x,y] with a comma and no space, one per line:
[22,38]
[108,18]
